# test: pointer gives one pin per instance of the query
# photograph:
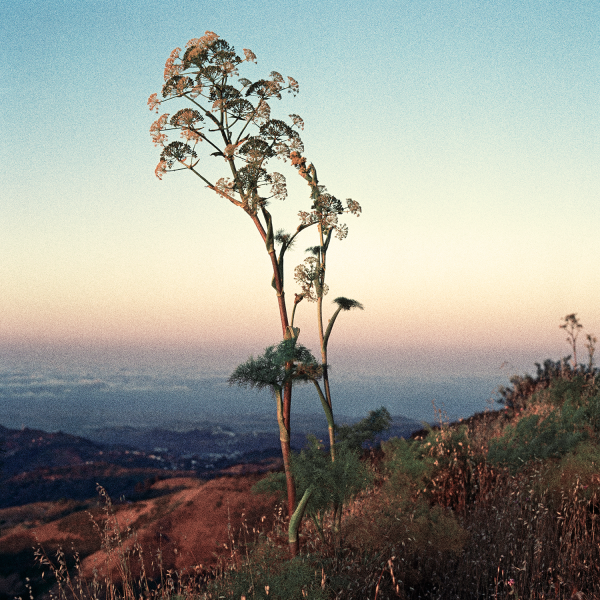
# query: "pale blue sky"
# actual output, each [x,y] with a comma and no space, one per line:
[469,132]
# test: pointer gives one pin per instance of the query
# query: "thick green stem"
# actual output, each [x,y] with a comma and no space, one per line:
[295,521]
[323,338]
[324,342]
[293,313]
[320,325]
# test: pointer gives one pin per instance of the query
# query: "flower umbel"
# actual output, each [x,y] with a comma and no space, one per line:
[161,169]
[153,102]
[170,67]
[158,137]
[250,56]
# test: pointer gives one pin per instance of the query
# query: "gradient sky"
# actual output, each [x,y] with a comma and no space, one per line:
[469,132]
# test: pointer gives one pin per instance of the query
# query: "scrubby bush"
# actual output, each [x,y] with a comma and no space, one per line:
[333,483]
[534,437]
[560,417]
[444,466]
[357,435]
[557,374]
[266,573]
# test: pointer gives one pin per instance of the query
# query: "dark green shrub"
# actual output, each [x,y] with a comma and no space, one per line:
[576,391]
[574,416]
[523,387]
[273,483]
[407,458]
[593,413]
[536,438]
[333,483]
[549,374]
[267,573]
[354,436]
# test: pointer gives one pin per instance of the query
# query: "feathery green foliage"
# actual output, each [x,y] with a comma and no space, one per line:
[325,484]
[332,482]
[572,416]
[535,438]
[348,303]
[265,574]
[269,369]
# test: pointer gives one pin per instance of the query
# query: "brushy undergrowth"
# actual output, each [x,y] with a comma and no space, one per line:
[503,505]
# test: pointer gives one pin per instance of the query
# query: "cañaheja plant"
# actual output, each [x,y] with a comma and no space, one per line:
[572,326]
[324,483]
[310,275]
[230,116]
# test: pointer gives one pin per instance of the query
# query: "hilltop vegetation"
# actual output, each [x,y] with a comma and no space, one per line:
[504,504]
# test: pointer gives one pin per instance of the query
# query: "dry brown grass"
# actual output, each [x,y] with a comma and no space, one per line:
[536,536]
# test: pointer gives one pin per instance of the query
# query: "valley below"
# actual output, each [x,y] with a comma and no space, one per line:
[180,491]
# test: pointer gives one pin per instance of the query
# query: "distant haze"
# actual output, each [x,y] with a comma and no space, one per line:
[74,387]
[75,403]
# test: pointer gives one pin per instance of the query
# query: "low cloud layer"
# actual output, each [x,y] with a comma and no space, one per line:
[51,385]
[78,402]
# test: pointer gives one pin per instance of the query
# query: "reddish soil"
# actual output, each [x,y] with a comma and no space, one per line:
[188,526]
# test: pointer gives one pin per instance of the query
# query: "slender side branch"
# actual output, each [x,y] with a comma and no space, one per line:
[329,416]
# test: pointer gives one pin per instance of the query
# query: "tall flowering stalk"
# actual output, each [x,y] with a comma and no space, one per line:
[325,211]
[230,117]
